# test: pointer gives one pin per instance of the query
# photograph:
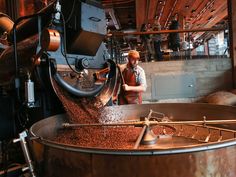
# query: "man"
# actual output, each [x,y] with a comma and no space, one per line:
[157,41]
[134,81]
[174,38]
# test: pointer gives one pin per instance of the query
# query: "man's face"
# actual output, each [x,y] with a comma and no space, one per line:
[133,62]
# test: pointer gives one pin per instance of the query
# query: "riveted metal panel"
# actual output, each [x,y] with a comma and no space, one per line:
[173,85]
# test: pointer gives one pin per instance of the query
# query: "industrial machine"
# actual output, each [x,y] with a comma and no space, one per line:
[51,61]
[61,46]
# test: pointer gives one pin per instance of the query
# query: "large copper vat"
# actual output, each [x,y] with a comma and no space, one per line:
[201,160]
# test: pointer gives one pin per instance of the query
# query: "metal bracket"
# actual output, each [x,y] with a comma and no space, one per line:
[22,140]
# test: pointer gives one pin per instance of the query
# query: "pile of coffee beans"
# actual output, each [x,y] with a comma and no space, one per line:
[91,110]
[80,110]
[117,137]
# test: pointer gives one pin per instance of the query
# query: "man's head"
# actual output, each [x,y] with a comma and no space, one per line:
[133,57]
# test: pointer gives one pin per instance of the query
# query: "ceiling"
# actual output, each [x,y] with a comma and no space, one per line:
[129,15]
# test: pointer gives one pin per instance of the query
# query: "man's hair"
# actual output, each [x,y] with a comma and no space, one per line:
[134,54]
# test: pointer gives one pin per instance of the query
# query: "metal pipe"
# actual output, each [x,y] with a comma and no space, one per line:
[22,140]
[140,137]
[17,80]
[139,123]
[165,31]
[189,47]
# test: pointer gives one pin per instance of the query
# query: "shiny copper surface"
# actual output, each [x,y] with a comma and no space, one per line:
[26,49]
[50,39]
[201,159]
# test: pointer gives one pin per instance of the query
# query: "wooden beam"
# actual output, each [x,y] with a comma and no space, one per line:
[140,13]
[114,18]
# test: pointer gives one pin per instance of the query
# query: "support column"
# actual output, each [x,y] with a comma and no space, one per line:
[12,7]
[232,36]
[181,21]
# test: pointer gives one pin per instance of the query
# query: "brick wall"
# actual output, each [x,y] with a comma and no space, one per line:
[211,74]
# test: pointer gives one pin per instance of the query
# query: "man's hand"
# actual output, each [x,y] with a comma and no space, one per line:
[125,87]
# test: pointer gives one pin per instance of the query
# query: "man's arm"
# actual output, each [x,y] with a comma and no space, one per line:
[139,88]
